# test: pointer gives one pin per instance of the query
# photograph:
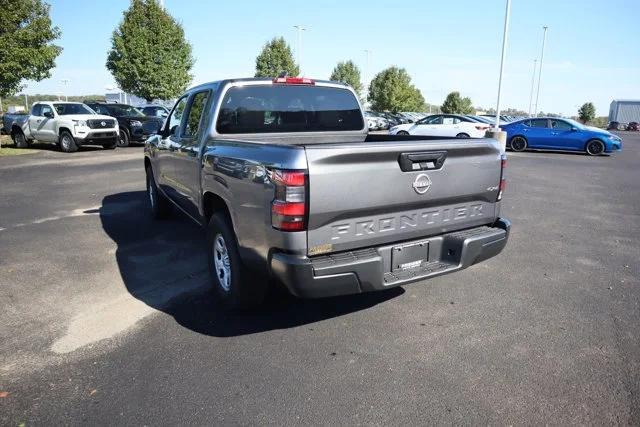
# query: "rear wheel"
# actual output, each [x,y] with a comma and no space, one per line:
[158,203]
[462,135]
[124,140]
[595,147]
[233,283]
[67,142]
[20,140]
[518,143]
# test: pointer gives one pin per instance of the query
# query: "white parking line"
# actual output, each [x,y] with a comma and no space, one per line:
[93,210]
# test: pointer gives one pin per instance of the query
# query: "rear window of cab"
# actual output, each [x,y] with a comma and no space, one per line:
[288,108]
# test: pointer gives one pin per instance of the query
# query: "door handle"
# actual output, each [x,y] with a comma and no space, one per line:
[422,161]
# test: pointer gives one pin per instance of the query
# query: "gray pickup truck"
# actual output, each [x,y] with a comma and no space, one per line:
[291,189]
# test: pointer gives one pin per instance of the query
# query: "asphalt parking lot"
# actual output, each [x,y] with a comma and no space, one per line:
[107,319]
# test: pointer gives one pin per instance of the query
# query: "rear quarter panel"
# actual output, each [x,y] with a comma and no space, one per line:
[236,171]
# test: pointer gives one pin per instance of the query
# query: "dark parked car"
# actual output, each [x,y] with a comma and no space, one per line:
[392,119]
[156,111]
[615,126]
[134,126]
[633,126]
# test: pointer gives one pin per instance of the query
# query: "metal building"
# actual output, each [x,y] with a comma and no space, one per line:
[624,110]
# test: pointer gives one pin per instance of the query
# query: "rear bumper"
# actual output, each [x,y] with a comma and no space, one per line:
[370,269]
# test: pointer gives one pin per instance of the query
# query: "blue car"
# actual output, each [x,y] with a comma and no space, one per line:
[552,133]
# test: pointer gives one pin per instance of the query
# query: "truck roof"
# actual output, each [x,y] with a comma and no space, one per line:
[252,79]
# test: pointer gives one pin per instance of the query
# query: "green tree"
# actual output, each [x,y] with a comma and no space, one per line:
[348,73]
[455,104]
[391,90]
[587,112]
[26,49]
[149,55]
[275,58]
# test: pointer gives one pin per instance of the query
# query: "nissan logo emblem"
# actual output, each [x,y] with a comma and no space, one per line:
[422,183]
[103,124]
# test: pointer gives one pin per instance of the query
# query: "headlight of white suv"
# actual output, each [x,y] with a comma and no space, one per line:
[135,123]
[80,122]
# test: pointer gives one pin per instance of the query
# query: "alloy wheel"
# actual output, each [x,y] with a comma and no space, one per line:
[222,262]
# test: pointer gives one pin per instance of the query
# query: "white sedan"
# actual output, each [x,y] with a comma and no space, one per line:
[447,125]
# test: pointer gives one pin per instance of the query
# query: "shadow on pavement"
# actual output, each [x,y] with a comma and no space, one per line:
[163,264]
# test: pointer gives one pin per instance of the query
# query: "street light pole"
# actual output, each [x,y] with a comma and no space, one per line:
[300,29]
[505,35]
[544,40]
[26,99]
[366,70]
[533,80]
[65,82]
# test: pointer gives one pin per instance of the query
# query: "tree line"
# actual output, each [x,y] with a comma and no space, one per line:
[150,57]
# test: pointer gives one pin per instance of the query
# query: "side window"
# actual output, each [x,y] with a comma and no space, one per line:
[196,111]
[436,120]
[36,110]
[448,120]
[539,123]
[99,109]
[46,109]
[456,120]
[176,116]
[560,124]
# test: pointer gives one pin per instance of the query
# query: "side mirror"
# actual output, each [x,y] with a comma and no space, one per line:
[48,114]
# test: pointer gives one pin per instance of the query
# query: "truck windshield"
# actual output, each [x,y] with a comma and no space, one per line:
[64,109]
[283,108]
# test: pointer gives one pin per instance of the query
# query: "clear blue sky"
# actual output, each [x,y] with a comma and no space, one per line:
[592,45]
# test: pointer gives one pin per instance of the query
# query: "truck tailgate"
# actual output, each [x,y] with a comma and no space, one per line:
[366,194]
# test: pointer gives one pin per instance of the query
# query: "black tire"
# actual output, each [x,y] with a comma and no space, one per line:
[403,132]
[67,142]
[110,145]
[594,147]
[462,135]
[19,139]
[518,143]
[239,289]
[159,205]
[124,140]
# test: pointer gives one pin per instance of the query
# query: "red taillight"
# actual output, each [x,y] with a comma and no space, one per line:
[287,178]
[503,181]
[289,206]
[288,209]
[294,80]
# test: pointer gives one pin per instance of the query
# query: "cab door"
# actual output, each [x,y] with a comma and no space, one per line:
[565,135]
[428,126]
[40,126]
[186,158]
[47,129]
[165,144]
[538,133]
